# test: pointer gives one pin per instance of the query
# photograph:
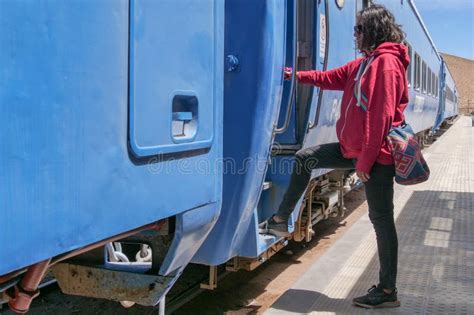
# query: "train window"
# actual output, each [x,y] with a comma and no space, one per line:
[449,94]
[423,76]
[417,71]
[437,86]
[430,83]
[410,64]
[433,84]
[428,88]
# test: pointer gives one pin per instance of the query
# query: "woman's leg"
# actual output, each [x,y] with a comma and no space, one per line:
[323,156]
[379,192]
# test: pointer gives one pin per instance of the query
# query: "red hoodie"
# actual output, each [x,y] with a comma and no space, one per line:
[384,95]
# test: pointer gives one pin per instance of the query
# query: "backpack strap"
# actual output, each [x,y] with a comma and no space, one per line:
[364,65]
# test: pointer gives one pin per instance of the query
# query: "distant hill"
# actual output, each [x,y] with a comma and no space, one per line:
[462,70]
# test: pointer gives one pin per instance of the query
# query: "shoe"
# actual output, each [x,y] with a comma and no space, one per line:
[270,226]
[377,298]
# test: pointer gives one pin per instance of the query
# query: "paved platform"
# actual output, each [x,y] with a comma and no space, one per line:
[435,226]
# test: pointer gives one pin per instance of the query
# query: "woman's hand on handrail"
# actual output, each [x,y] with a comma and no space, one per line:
[287,73]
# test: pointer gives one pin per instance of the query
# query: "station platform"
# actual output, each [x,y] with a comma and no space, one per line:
[435,225]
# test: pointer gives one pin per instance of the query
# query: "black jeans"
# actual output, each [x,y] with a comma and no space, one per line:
[379,192]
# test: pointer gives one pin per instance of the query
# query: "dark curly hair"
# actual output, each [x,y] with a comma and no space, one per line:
[378,26]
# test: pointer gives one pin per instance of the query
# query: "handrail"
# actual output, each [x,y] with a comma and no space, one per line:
[325,66]
[293,74]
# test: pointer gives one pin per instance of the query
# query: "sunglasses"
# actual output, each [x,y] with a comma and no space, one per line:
[358,29]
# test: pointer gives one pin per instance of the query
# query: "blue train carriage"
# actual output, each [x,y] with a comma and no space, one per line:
[306,117]
[451,98]
[111,123]
[264,126]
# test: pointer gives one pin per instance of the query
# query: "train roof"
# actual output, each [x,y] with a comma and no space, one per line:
[425,29]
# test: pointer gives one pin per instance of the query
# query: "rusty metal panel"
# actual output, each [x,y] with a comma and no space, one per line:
[109,284]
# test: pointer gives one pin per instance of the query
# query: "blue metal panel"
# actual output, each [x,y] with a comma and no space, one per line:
[252,100]
[171,54]
[192,228]
[68,177]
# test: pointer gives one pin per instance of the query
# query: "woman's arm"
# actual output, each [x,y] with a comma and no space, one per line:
[334,79]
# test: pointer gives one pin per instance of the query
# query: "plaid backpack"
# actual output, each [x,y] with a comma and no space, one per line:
[410,166]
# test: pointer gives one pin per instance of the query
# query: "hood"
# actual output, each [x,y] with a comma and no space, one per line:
[398,50]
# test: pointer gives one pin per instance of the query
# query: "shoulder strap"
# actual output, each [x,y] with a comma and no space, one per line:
[364,65]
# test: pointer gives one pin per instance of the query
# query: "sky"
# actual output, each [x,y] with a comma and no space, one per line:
[451,25]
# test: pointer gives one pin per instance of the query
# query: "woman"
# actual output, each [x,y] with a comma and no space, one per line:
[375,95]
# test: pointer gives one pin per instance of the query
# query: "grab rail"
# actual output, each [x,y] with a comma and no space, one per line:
[293,74]
[325,66]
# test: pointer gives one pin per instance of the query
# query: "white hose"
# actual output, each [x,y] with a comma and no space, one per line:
[116,255]
[118,246]
[111,252]
[122,257]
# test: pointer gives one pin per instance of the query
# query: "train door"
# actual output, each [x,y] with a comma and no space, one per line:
[331,45]
[298,109]
[296,100]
